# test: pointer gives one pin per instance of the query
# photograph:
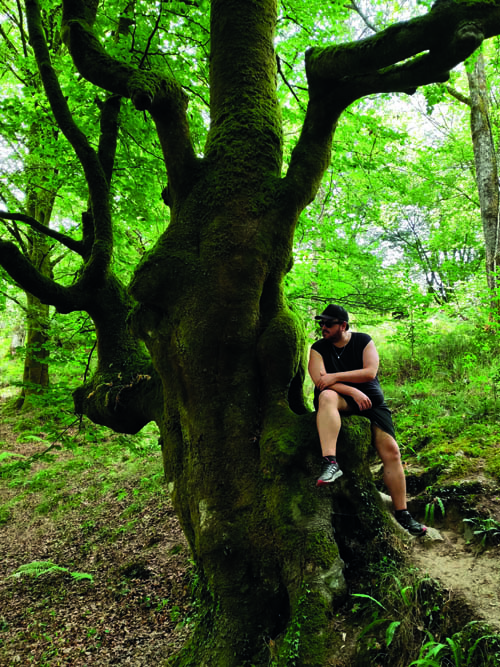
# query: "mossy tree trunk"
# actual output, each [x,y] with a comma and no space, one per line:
[39,205]
[225,385]
[228,351]
[485,157]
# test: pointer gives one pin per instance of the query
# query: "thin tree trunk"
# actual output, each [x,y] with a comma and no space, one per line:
[40,201]
[486,176]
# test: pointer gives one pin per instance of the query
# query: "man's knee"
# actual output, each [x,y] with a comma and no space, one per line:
[329,398]
[392,453]
[387,447]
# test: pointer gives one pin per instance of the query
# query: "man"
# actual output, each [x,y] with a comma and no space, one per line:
[343,366]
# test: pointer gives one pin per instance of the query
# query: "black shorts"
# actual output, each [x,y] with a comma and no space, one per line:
[381,415]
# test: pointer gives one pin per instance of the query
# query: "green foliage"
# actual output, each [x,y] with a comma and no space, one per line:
[464,649]
[405,601]
[407,619]
[430,510]
[41,568]
[485,530]
[391,626]
[441,389]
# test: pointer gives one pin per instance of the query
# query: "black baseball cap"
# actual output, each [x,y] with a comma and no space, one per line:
[333,312]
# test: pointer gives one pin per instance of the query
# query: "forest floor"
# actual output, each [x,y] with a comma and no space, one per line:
[134,606]
[113,522]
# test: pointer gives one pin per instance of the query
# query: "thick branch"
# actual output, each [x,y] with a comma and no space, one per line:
[159,94]
[108,138]
[65,299]
[97,266]
[399,59]
[448,34]
[124,393]
[72,244]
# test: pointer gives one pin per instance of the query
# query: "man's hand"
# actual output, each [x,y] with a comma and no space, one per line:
[325,380]
[364,403]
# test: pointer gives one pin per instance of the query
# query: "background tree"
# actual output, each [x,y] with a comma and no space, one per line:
[485,155]
[483,130]
[202,342]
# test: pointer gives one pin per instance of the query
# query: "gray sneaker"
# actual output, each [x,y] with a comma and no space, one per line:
[330,471]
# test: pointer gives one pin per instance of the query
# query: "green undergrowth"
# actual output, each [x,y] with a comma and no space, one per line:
[85,463]
[444,391]
[401,613]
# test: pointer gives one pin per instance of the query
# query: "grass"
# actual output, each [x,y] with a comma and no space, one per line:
[445,398]
[407,614]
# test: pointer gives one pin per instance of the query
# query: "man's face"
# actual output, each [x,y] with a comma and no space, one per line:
[332,330]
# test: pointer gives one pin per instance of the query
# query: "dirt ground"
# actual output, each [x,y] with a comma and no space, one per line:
[135,609]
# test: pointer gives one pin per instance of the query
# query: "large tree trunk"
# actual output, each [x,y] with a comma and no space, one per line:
[239,449]
[238,445]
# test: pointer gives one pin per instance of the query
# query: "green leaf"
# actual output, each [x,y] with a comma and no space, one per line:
[389,634]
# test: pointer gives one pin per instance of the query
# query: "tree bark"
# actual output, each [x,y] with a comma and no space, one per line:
[39,205]
[486,176]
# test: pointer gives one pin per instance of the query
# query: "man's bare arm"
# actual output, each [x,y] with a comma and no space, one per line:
[363,401]
[365,374]
[323,380]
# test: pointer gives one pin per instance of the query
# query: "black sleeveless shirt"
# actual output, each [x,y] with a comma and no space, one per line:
[349,358]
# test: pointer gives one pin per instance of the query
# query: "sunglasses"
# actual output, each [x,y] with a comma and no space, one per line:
[328,323]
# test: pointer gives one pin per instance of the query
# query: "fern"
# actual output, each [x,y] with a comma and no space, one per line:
[8,455]
[38,568]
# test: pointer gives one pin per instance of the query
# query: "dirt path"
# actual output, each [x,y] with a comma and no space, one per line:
[463,570]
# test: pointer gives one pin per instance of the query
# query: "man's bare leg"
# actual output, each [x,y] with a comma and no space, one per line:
[328,424]
[394,479]
[330,404]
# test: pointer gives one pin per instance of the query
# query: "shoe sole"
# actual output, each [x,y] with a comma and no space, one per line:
[321,482]
[413,534]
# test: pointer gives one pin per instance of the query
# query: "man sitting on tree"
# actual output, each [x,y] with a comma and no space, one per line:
[343,366]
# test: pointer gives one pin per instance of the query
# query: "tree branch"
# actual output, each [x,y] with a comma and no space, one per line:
[458,96]
[447,34]
[288,85]
[72,244]
[400,58]
[97,266]
[160,95]
[65,299]
[14,300]
[108,138]
[364,18]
